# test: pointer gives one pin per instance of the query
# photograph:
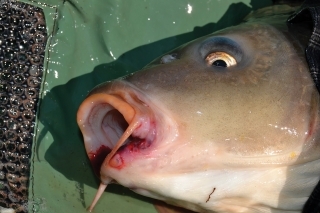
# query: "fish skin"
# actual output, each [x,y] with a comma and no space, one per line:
[237,139]
[162,207]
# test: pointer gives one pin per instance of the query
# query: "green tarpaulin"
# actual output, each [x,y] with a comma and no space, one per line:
[92,41]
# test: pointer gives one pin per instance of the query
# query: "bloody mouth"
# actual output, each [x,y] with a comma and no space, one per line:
[118,127]
[96,158]
[134,146]
[114,125]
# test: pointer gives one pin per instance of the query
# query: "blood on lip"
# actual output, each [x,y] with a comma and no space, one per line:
[97,158]
[135,144]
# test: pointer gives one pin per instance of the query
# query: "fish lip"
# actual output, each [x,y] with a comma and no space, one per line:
[140,101]
[95,139]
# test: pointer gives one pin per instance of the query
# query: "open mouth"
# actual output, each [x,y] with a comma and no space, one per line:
[117,127]
[112,124]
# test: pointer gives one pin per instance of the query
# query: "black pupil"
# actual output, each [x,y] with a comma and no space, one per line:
[219,63]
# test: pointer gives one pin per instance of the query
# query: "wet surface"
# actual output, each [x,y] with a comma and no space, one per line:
[92,42]
[22,43]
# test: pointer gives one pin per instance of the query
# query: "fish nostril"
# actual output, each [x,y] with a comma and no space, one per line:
[169,58]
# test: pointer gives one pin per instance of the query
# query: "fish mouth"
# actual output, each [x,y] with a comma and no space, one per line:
[115,122]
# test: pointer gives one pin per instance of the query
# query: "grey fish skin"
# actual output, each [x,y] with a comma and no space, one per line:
[191,132]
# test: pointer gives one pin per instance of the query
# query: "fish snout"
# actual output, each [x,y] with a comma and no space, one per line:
[115,121]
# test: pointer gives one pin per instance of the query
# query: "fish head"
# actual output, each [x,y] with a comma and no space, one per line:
[224,124]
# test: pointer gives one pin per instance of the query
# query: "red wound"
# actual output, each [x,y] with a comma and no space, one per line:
[116,162]
[137,144]
[98,157]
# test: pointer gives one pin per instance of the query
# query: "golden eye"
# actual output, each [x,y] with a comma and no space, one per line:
[220,59]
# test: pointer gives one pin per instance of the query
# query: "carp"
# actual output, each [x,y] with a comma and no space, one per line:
[228,122]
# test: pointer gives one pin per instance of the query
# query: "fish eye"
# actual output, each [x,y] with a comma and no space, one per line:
[220,59]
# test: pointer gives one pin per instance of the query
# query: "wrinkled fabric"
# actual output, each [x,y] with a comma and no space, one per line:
[310,12]
[95,41]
